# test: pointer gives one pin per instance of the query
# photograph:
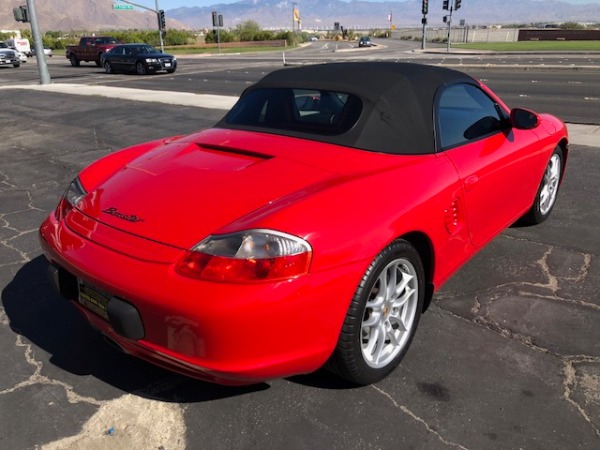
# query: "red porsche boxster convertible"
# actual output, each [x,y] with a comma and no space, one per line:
[309,227]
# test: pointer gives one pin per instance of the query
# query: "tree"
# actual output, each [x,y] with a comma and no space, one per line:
[572,26]
[247,30]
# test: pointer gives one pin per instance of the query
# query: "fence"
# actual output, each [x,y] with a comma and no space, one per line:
[460,34]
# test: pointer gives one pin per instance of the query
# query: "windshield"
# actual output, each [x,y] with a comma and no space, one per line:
[300,110]
[142,49]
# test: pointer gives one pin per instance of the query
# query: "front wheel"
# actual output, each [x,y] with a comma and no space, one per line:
[170,70]
[545,198]
[383,316]
[74,61]
[107,67]
[140,68]
[16,66]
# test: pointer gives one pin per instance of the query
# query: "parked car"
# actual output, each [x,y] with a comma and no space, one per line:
[139,58]
[365,41]
[309,227]
[22,56]
[8,56]
[47,51]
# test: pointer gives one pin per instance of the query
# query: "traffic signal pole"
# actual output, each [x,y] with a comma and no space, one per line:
[450,5]
[160,17]
[449,30]
[424,10]
[38,44]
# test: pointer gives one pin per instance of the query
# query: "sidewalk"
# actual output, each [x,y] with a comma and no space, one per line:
[587,135]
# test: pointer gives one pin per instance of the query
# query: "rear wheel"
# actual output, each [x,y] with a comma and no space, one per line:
[140,68]
[99,60]
[383,316]
[545,198]
[74,61]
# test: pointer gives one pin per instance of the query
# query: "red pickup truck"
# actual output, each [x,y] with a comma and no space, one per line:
[90,48]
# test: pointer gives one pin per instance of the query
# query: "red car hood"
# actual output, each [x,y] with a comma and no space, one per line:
[179,193]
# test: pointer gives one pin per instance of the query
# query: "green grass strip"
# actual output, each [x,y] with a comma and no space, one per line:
[533,46]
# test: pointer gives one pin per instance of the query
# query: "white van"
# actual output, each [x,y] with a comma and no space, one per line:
[20,44]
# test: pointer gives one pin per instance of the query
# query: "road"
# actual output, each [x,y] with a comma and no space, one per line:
[508,356]
[564,85]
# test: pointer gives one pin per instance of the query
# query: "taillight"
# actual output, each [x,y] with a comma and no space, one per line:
[248,256]
[73,195]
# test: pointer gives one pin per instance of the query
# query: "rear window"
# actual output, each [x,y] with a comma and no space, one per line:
[298,110]
[106,40]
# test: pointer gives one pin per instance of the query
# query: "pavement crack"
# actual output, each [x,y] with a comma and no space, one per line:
[552,280]
[569,382]
[38,378]
[561,299]
[4,179]
[413,416]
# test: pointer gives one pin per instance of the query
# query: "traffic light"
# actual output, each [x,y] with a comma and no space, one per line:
[457,4]
[215,19]
[446,5]
[21,14]
[425,6]
[162,21]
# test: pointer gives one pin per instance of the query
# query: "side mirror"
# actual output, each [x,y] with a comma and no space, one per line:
[524,119]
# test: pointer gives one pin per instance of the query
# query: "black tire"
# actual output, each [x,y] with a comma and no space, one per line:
[99,60]
[140,68]
[74,61]
[107,67]
[545,199]
[170,70]
[16,66]
[370,314]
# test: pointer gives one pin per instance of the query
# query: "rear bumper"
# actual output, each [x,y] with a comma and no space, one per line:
[228,334]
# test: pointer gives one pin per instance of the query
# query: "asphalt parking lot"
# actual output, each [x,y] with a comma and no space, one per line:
[508,356]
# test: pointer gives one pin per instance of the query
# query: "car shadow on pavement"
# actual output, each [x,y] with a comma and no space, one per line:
[68,343]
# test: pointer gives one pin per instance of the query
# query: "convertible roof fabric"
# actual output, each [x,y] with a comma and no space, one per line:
[398,102]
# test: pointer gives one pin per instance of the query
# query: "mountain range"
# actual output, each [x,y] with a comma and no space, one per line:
[90,15]
[322,14]
[95,15]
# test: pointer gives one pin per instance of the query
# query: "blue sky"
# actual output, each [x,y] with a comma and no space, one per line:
[171,4]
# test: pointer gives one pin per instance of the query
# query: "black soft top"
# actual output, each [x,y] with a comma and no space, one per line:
[397,102]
